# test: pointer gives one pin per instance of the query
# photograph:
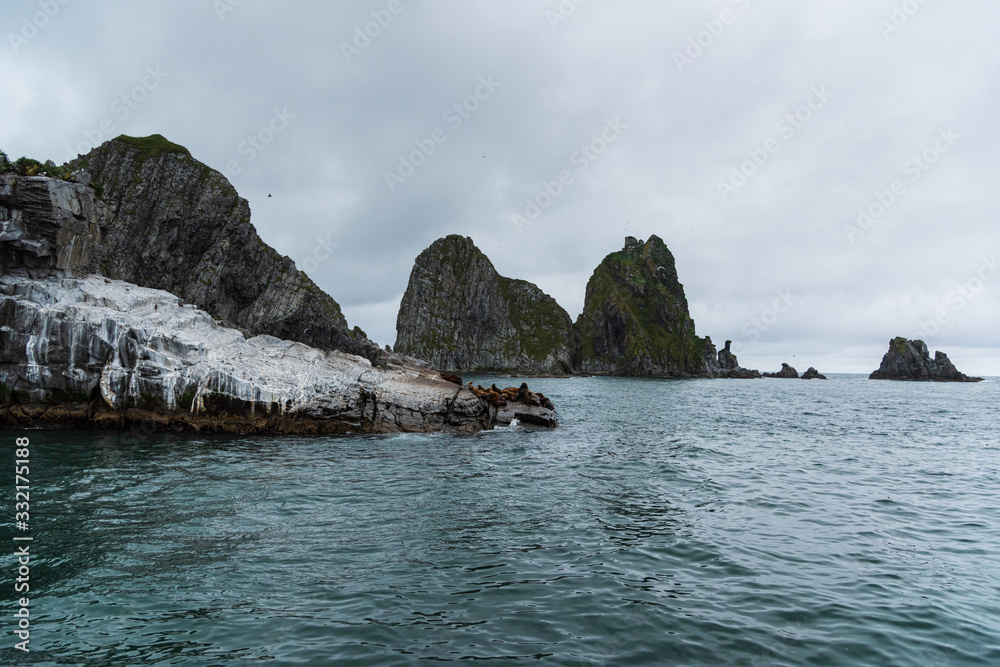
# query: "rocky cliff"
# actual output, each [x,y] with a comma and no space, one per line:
[95,352]
[635,317]
[910,360]
[49,226]
[84,350]
[175,224]
[458,313]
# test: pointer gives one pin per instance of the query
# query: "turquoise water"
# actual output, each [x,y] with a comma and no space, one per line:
[769,522]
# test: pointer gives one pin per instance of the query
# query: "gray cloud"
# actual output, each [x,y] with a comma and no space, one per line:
[687,128]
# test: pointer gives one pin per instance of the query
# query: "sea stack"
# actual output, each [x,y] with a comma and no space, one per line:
[725,364]
[911,360]
[786,373]
[459,314]
[635,318]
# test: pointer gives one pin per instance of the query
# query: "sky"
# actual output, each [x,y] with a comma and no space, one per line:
[825,174]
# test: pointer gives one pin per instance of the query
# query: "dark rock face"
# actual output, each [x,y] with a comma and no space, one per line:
[910,360]
[635,317]
[48,225]
[786,372]
[459,314]
[724,364]
[813,374]
[177,225]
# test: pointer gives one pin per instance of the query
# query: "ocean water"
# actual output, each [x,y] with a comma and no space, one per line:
[768,522]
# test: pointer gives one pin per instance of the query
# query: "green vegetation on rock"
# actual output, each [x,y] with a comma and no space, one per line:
[152,146]
[635,319]
[459,314]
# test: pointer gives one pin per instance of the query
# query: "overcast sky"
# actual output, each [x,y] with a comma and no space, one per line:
[747,134]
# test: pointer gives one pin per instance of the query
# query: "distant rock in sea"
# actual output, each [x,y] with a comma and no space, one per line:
[813,374]
[459,314]
[724,364]
[786,372]
[635,318]
[911,360]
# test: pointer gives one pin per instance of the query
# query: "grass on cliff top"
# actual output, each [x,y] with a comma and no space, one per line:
[152,146]
[26,166]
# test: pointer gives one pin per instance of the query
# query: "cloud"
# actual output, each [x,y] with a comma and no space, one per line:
[687,129]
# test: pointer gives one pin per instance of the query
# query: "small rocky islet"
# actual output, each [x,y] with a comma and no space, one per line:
[134,289]
[910,360]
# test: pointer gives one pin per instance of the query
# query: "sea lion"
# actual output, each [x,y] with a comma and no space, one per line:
[452,378]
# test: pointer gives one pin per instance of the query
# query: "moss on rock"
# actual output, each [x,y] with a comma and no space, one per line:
[635,318]
[459,314]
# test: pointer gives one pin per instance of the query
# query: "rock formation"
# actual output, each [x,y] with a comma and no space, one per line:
[177,225]
[786,372]
[910,360]
[724,364]
[813,374]
[93,352]
[635,317]
[83,350]
[49,226]
[458,313]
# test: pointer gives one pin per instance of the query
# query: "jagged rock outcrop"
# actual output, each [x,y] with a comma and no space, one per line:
[813,374]
[724,364]
[786,372]
[458,313]
[635,317]
[175,224]
[910,360]
[48,226]
[94,352]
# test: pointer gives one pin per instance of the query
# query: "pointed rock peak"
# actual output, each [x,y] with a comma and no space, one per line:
[459,314]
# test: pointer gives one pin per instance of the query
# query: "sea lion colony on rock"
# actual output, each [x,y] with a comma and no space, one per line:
[499,398]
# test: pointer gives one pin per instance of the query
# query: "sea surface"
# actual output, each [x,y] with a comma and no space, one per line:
[725,522]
